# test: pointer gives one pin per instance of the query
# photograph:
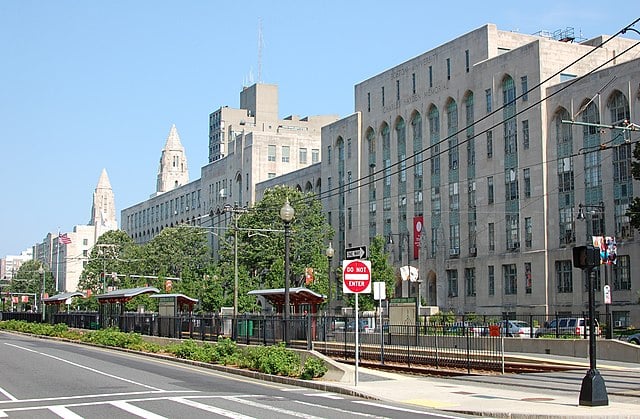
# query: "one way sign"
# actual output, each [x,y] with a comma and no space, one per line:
[359,252]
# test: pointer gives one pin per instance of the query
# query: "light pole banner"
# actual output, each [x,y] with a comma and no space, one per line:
[608,248]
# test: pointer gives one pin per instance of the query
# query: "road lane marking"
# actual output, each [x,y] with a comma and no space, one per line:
[325,395]
[87,368]
[272,408]
[211,409]
[338,409]
[135,410]
[402,409]
[65,413]
[89,396]
[8,395]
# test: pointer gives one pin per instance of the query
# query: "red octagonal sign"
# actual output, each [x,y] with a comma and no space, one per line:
[356,276]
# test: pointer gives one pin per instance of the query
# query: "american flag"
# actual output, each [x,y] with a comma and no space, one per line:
[64,239]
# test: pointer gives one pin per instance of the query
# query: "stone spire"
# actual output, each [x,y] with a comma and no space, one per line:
[173,170]
[103,210]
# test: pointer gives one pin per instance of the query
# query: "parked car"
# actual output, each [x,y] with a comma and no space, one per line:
[516,328]
[635,338]
[472,329]
[363,326]
[578,326]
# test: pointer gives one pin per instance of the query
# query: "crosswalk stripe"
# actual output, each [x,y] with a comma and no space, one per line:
[212,409]
[325,395]
[63,412]
[134,410]
[272,408]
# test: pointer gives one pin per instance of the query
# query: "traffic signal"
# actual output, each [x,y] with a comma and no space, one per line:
[586,257]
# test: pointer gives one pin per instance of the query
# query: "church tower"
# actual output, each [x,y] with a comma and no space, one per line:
[103,210]
[173,171]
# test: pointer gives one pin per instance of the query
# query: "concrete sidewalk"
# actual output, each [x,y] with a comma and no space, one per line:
[482,399]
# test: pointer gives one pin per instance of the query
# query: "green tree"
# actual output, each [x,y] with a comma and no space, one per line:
[29,280]
[381,271]
[261,246]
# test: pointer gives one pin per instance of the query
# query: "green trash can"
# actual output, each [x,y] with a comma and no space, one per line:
[245,328]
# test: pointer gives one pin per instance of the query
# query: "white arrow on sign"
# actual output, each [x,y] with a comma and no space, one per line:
[357,252]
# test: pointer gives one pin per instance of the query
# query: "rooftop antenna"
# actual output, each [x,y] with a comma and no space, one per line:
[260,43]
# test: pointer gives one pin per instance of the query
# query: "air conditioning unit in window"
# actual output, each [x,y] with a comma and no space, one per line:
[454,251]
[515,246]
[618,323]
[473,251]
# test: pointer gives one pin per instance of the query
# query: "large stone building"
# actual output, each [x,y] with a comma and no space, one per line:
[465,158]
[246,146]
[66,255]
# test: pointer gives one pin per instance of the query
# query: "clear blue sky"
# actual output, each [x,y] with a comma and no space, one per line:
[87,85]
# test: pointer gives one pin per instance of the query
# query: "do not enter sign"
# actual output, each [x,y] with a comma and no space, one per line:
[356,276]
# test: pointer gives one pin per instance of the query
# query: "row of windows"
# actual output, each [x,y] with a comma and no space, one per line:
[165,210]
[286,154]
[564,278]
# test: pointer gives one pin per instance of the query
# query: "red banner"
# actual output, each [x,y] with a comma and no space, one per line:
[417,232]
[24,298]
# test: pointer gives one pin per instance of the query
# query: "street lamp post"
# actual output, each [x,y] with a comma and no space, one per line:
[593,391]
[41,272]
[329,252]
[235,211]
[286,214]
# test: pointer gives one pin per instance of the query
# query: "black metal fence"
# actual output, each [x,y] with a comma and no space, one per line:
[467,342]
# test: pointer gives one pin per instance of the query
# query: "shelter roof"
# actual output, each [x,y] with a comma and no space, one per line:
[62,297]
[125,295]
[297,295]
[180,298]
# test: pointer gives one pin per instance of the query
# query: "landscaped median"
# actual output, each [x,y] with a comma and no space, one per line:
[274,360]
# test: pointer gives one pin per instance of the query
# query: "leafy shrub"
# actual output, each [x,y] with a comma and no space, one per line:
[313,368]
[276,359]
[113,337]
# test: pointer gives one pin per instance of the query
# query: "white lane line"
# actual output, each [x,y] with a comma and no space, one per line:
[211,409]
[3,415]
[134,410]
[325,395]
[87,368]
[8,395]
[272,408]
[338,410]
[63,412]
[401,409]
[91,396]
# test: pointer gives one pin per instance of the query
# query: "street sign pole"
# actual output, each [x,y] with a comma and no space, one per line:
[356,279]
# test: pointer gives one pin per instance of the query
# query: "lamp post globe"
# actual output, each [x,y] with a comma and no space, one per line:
[329,252]
[286,214]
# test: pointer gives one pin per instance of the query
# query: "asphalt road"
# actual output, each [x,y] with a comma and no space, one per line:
[49,379]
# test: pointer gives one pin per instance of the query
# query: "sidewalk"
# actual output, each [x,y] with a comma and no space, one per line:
[479,399]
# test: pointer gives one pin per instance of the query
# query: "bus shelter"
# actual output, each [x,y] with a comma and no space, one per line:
[54,303]
[112,304]
[171,309]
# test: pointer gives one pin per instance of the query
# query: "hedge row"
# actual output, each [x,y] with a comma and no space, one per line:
[276,359]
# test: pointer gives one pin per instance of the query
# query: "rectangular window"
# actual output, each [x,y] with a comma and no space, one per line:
[85,242]
[525,88]
[489,144]
[397,90]
[622,274]
[564,280]
[382,95]
[528,232]
[470,281]
[368,102]
[271,175]
[527,277]
[285,154]
[349,218]
[348,148]
[328,154]
[510,275]
[448,68]
[452,282]
[490,197]
[315,155]
[489,100]
[526,173]
[271,152]
[525,134]
[491,280]
[430,76]
[303,156]
[467,60]
[413,83]
[492,237]
[349,180]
